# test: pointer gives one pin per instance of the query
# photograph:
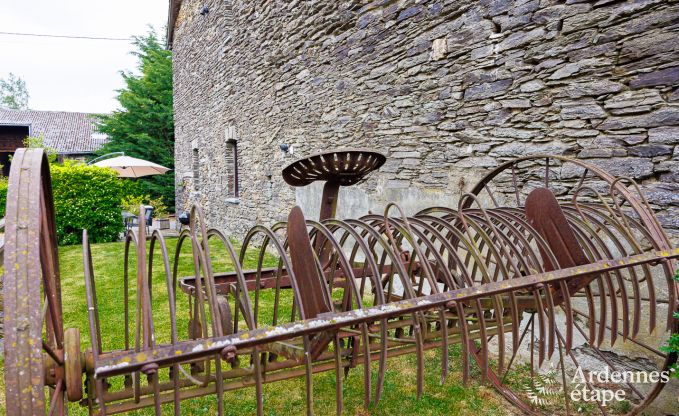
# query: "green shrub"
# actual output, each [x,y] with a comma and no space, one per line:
[87,197]
[132,202]
[3,196]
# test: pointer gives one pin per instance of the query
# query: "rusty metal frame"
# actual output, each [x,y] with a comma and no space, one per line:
[372,288]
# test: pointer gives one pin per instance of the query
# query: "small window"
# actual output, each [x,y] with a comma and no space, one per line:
[196,170]
[232,166]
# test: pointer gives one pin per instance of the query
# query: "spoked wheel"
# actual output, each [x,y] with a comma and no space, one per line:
[39,357]
[593,343]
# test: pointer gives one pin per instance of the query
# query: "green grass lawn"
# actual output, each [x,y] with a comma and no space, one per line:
[281,398]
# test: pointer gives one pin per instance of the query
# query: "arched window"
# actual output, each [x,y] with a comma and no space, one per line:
[196,169]
[233,185]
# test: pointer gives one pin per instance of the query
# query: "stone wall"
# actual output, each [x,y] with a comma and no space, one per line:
[446,89]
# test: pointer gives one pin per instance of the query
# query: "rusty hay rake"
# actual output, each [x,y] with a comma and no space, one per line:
[546,260]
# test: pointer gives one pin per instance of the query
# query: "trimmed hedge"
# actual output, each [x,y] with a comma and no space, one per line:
[3,196]
[87,197]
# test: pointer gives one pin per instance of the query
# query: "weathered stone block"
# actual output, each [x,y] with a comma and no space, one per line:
[487,90]
[598,153]
[664,135]
[517,149]
[439,49]
[565,71]
[633,99]
[451,125]
[532,86]
[662,193]
[516,103]
[582,110]
[518,39]
[477,162]
[666,116]
[634,167]
[668,76]
[592,88]
[650,150]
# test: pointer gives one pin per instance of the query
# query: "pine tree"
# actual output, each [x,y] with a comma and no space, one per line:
[144,126]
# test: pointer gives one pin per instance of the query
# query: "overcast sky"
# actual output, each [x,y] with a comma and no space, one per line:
[74,74]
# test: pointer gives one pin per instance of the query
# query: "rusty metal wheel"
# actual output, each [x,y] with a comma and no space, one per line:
[613,323]
[73,368]
[34,335]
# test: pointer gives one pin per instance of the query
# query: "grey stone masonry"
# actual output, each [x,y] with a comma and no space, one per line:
[445,89]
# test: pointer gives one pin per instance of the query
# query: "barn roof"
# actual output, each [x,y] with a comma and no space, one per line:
[66,132]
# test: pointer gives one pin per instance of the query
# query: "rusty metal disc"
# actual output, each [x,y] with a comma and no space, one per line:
[73,364]
[32,292]
[347,167]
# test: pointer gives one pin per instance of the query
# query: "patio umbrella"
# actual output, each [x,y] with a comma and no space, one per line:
[131,167]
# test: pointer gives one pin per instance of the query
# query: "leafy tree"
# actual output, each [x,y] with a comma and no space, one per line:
[13,93]
[39,141]
[144,126]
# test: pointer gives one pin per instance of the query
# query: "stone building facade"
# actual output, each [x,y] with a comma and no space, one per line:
[446,89]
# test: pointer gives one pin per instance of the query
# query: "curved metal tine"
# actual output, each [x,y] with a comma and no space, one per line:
[654,233]
[278,246]
[206,266]
[140,318]
[435,289]
[612,365]
[551,320]
[339,401]
[269,237]
[199,306]
[144,310]
[417,324]
[379,297]
[621,284]
[589,385]
[669,274]
[351,287]
[143,291]
[511,360]
[462,323]
[497,300]
[525,254]
[418,316]
[618,207]
[308,380]
[387,252]
[236,262]
[491,195]
[591,252]
[91,298]
[564,384]
[446,277]
[624,229]
[57,405]
[515,185]
[541,324]
[567,306]
[460,238]
[631,339]
[584,244]
[603,246]
[171,296]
